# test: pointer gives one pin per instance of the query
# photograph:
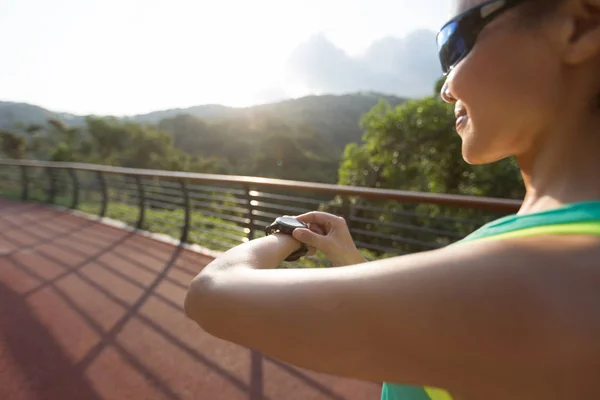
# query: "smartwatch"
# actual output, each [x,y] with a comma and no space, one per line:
[287,225]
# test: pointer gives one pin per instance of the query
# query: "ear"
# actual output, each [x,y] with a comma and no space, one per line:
[582,31]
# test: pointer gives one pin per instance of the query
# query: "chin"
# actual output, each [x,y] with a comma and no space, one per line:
[473,160]
[476,155]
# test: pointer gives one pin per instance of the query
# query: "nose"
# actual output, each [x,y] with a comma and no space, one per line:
[446,95]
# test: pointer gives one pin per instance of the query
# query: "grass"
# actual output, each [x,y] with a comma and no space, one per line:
[205,230]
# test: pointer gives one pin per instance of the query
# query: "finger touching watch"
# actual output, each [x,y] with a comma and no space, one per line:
[287,225]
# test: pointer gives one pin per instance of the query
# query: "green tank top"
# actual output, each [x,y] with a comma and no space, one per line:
[576,218]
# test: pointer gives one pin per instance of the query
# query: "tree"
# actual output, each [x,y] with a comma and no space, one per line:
[12,145]
[411,147]
[62,152]
[414,146]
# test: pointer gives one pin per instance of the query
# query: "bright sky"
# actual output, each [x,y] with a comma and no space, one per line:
[134,56]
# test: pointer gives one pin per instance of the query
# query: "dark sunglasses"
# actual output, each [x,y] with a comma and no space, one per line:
[458,36]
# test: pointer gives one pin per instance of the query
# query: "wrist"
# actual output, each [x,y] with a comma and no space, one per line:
[346,258]
[284,243]
[287,225]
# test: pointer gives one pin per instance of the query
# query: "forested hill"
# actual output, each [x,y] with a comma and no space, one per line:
[14,116]
[300,139]
[335,118]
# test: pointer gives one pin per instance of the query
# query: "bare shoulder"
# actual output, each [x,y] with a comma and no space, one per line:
[546,263]
[550,250]
[569,250]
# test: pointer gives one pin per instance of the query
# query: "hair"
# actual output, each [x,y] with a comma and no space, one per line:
[534,12]
[537,10]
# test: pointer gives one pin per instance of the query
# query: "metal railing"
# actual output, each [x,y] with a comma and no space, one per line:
[221,211]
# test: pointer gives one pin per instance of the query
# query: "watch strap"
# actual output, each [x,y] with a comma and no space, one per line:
[297,254]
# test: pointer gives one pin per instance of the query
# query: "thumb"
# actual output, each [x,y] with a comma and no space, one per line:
[307,237]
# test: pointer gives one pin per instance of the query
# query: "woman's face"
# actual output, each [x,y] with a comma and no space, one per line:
[507,86]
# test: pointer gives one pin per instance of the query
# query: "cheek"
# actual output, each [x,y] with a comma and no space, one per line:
[506,89]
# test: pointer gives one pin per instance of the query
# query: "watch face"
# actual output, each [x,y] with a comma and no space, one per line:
[293,222]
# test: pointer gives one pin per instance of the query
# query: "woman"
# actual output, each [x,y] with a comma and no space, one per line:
[510,312]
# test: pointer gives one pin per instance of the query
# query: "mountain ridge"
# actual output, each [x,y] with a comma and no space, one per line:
[333,118]
[12,113]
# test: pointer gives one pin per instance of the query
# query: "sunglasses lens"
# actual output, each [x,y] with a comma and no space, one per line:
[451,46]
[445,33]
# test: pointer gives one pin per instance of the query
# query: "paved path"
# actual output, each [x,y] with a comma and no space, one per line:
[90,311]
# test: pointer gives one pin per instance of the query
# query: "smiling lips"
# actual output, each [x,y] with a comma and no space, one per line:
[461,116]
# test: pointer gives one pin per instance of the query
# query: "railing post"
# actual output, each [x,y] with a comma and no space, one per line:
[141,202]
[346,209]
[187,219]
[75,192]
[250,214]
[104,190]
[52,186]
[24,183]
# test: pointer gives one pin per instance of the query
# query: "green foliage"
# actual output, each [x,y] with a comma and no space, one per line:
[261,145]
[334,118]
[62,152]
[12,146]
[294,139]
[414,146]
[408,147]
[107,141]
[208,230]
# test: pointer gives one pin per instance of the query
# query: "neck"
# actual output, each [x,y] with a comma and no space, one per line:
[564,169]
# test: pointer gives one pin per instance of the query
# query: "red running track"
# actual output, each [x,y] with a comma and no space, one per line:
[91,311]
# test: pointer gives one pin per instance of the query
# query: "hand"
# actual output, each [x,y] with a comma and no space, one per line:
[329,234]
[313,228]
